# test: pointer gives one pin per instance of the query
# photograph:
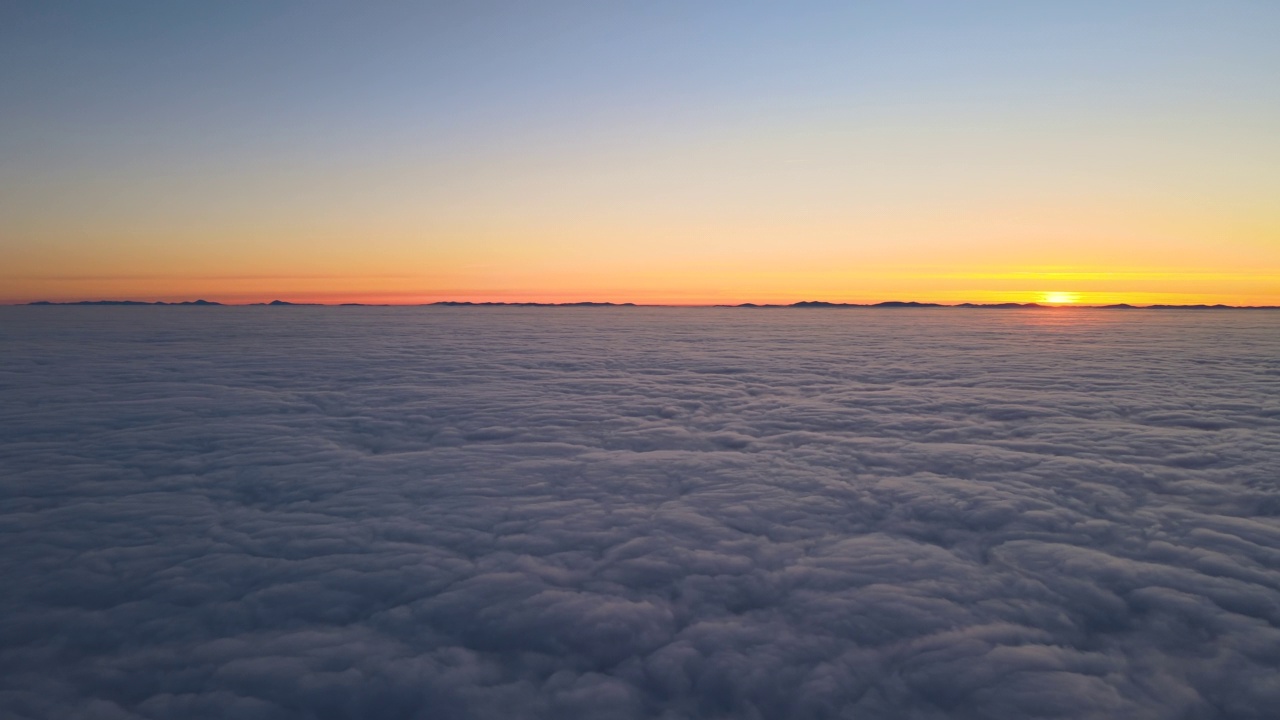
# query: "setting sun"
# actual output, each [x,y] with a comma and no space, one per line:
[1061,298]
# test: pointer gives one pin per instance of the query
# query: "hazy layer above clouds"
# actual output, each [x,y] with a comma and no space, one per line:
[600,513]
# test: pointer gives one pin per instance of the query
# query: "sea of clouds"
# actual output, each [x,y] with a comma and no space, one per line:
[635,512]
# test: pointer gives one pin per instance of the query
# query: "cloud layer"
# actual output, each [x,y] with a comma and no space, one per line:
[626,513]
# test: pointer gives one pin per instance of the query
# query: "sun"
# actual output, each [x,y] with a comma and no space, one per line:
[1060,298]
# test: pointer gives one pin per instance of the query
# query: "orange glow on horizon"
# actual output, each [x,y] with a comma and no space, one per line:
[631,268]
[663,297]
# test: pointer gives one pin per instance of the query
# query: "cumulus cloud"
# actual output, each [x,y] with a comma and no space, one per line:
[638,513]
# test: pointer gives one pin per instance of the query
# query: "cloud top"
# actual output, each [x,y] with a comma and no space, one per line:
[640,513]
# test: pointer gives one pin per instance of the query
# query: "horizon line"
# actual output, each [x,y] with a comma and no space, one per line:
[802,304]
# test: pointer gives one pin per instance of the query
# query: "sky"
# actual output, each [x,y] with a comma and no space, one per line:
[652,152]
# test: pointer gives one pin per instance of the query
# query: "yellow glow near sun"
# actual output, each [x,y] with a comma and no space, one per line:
[1061,298]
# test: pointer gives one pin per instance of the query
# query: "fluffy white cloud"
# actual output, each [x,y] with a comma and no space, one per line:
[500,512]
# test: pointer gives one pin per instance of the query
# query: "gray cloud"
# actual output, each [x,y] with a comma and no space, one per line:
[503,512]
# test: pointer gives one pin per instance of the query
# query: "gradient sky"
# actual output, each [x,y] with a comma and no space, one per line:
[640,151]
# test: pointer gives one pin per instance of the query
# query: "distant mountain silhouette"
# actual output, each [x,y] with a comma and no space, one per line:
[803,304]
[1000,306]
[1189,307]
[125,302]
[886,304]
